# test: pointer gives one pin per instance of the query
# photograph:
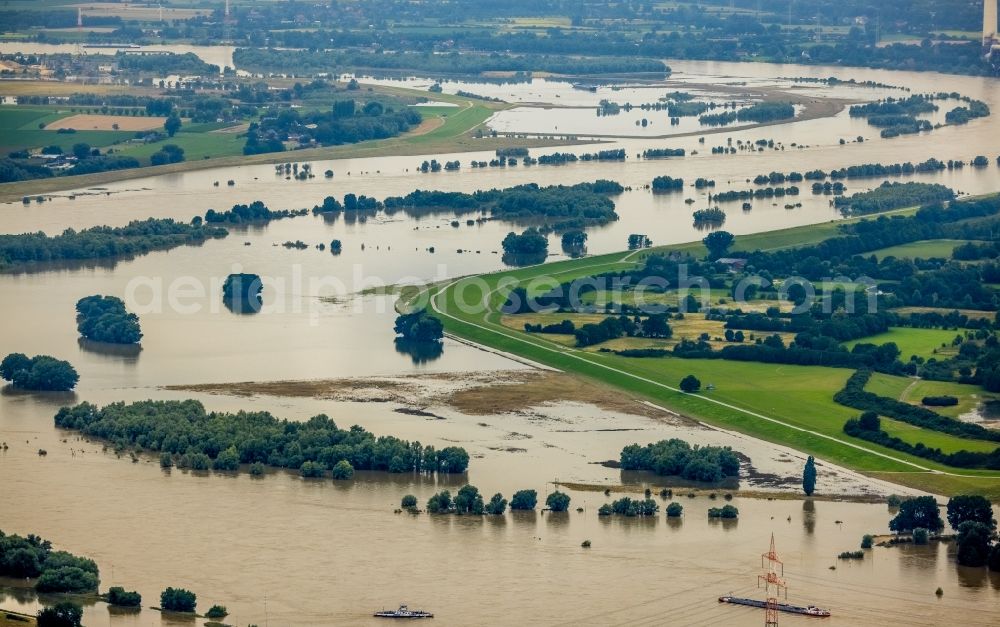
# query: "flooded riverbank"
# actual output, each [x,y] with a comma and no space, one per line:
[327,552]
[285,550]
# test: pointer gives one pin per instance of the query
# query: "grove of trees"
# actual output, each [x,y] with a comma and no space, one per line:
[32,557]
[41,372]
[185,430]
[104,319]
[103,242]
[178,600]
[419,326]
[676,457]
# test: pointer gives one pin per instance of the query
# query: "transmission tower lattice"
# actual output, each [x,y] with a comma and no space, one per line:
[773,578]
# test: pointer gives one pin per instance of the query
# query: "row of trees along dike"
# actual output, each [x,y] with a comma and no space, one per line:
[104,319]
[222,441]
[523,500]
[469,501]
[41,373]
[172,600]
[868,427]
[970,516]
[556,158]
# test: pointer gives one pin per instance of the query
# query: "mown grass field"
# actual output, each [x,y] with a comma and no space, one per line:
[971,313]
[19,129]
[926,249]
[912,391]
[924,343]
[196,145]
[789,405]
[933,439]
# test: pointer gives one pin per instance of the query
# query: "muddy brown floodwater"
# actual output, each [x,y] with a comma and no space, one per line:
[282,550]
[323,552]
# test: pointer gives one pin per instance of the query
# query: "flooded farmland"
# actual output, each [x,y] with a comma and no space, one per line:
[286,550]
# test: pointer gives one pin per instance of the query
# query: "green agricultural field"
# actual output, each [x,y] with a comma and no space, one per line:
[789,405]
[454,135]
[925,250]
[195,145]
[456,123]
[910,390]
[18,118]
[919,342]
[971,313]
[441,111]
[889,385]
[19,131]
[20,140]
[933,439]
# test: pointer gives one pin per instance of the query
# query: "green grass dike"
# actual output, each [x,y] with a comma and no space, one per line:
[785,404]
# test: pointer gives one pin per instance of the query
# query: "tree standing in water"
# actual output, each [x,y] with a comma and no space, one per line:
[809,477]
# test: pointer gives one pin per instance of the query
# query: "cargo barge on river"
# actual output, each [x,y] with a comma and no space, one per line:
[808,610]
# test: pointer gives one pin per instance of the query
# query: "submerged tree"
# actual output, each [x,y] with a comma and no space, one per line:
[342,470]
[242,293]
[64,614]
[557,501]
[178,600]
[921,511]
[524,500]
[38,373]
[497,505]
[439,503]
[419,326]
[965,507]
[973,543]
[809,476]
[104,319]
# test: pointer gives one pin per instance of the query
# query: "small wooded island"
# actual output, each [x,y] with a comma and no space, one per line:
[41,372]
[190,437]
[241,293]
[104,319]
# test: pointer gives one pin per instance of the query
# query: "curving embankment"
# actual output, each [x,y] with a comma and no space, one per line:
[787,405]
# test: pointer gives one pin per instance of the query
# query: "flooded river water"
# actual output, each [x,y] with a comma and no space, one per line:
[286,551]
